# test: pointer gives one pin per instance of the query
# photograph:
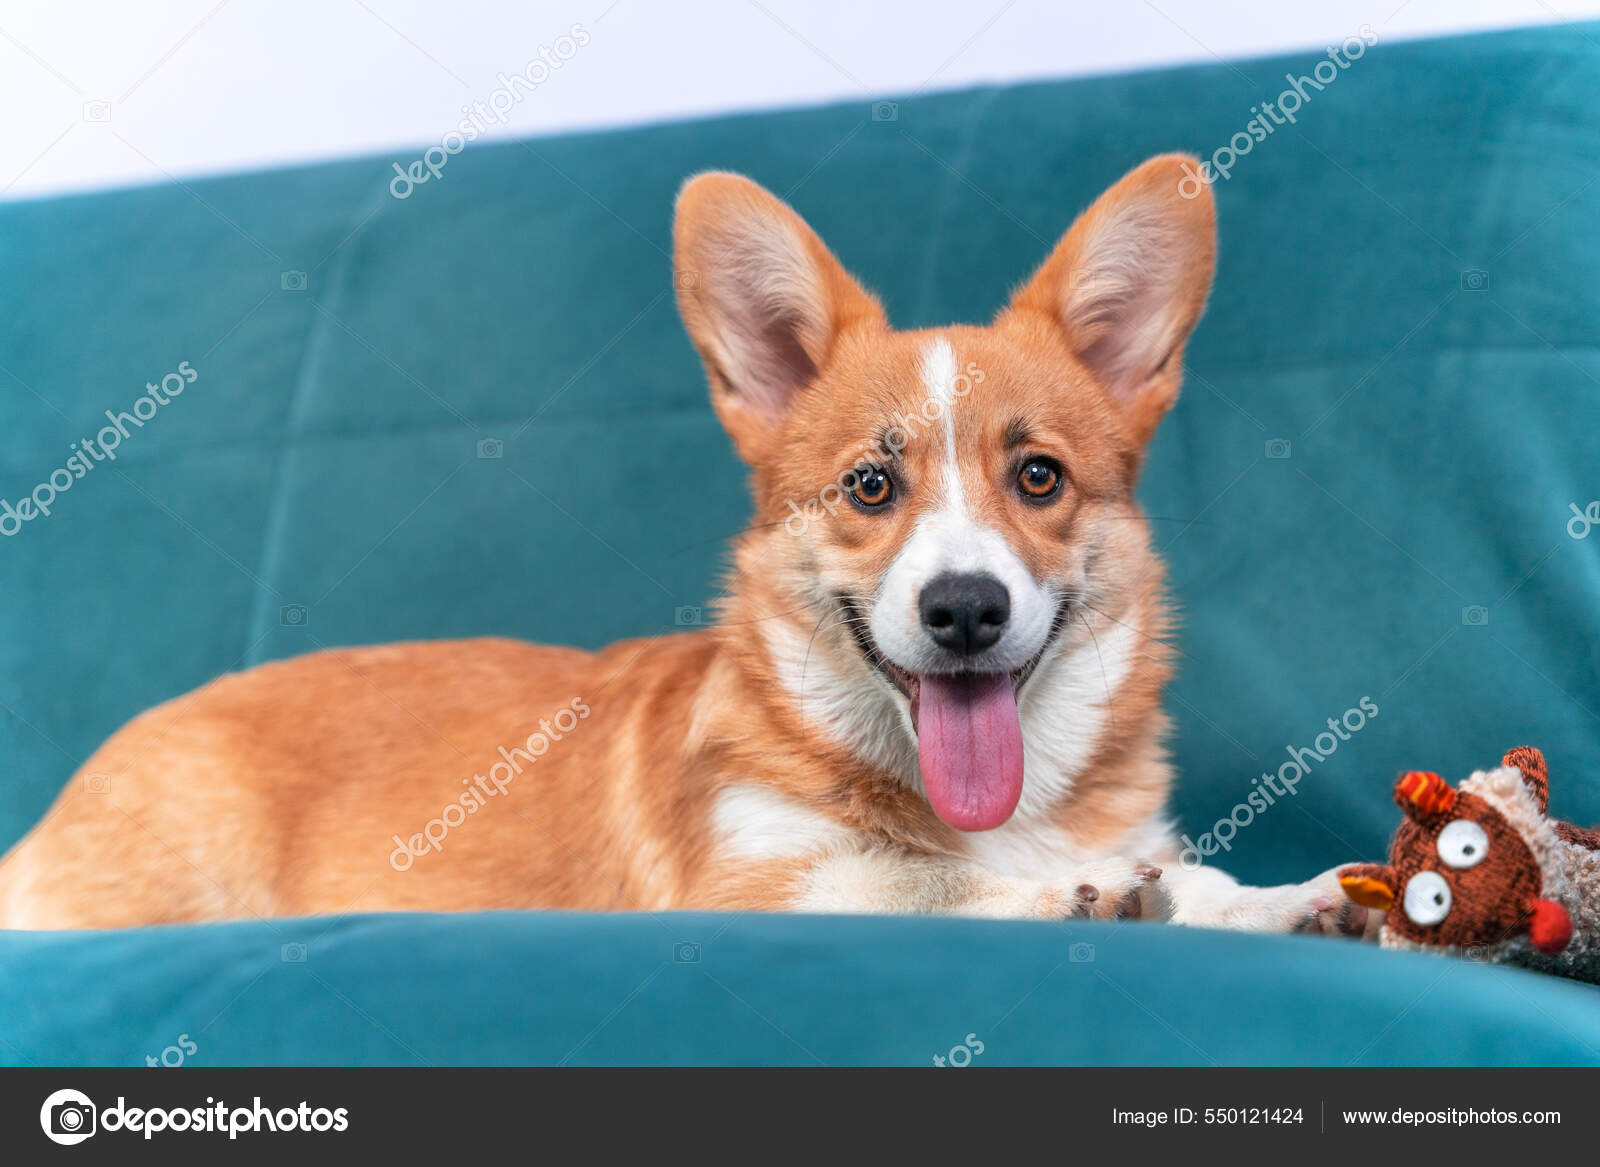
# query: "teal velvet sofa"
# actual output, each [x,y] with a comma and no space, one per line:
[1374,487]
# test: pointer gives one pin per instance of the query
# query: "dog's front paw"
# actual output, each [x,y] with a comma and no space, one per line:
[1319,907]
[1060,903]
[1110,890]
[1123,890]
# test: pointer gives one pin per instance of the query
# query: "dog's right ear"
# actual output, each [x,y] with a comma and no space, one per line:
[1127,283]
[763,299]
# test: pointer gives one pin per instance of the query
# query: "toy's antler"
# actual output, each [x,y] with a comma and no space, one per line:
[1536,777]
[1423,795]
[1535,774]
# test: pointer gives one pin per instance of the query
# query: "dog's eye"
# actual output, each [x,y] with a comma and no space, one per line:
[873,487]
[1039,478]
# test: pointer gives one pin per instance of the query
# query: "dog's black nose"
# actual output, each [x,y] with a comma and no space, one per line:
[965,613]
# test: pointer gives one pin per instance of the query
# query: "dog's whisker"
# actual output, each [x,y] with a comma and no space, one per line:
[719,539]
[1157,519]
[805,664]
[1105,684]
[1135,629]
[770,616]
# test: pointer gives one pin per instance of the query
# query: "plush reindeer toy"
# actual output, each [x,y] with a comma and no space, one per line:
[1482,871]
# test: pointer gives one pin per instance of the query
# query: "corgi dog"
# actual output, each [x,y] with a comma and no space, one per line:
[934,684]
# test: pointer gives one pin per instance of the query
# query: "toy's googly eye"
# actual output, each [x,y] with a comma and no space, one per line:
[1463,844]
[1427,898]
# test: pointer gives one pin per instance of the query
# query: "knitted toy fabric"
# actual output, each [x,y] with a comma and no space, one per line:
[1482,872]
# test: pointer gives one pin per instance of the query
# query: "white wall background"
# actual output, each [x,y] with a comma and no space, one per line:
[101,93]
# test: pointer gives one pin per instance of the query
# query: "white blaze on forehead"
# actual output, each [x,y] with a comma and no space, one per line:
[939,379]
[947,539]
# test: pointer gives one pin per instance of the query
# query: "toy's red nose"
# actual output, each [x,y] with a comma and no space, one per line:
[1550,928]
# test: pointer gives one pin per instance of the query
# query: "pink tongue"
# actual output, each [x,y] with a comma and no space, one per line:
[969,744]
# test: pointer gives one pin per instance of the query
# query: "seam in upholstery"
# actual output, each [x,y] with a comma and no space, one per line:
[299,395]
[958,169]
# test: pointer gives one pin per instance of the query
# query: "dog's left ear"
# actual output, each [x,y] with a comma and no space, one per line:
[1128,282]
[763,299]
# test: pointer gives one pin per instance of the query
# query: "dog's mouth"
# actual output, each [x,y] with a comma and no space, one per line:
[969,733]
